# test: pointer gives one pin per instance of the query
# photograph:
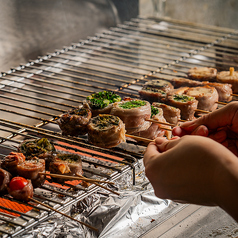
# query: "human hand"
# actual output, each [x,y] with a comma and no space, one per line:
[193,169]
[220,125]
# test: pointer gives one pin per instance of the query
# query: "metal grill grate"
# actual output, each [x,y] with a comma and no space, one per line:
[121,59]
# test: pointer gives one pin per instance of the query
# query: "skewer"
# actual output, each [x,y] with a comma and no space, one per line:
[101,186]
[75,178]
[163,123]
[139,138]
[202,111]
[51,208]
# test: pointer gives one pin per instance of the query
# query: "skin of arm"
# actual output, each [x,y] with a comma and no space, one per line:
[193,169]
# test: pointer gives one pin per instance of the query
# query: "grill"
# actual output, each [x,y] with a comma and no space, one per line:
[121,59]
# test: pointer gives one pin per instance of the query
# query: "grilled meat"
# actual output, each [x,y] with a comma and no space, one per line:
[224,89]
[101,102]
[11,161]
[74,163]
[133,112]
[202,74]
[75,122]
[20,189]
[185,103]
[154,130]
[207,97]
[30,169]
[155,90]
[5,178]
[106,131]
[38,147]
[230,77]
[171,114]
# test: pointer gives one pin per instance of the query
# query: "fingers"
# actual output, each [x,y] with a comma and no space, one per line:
[225,116]
[150,153]
[191,130]
[164,145]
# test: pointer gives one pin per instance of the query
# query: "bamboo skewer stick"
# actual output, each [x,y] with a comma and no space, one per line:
[139,138]
[101,186]
[51,208]
[74,178]
[163,123]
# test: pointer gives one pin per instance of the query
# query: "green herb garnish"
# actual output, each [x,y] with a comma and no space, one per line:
[153,89]
[69,157]
[104,121]
[102,99]
[36,147]
[183,98]
[132,104]
[154,111]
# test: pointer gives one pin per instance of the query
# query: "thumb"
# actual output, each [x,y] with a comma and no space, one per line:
[164,145]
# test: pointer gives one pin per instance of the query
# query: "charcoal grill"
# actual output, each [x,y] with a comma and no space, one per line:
[120,59]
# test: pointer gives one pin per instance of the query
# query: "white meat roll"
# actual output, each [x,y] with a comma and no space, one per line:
[230,77]
[171,114]
[207,97]
[202,74]
[154,130]
[134,113]
[183,82]
[185,103]
[224,89]
[106,131]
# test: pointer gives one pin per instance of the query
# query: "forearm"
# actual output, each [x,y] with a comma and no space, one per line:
[227,187]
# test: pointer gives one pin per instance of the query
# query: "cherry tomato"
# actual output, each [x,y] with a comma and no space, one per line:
[17,183]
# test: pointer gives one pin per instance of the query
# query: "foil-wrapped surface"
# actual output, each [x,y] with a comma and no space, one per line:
[131,214]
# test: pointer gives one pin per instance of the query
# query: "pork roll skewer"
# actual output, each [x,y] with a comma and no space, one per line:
[75,122]
[186,104]
[5,178]
[155,129]
[230,77]
[11,162]
[202,73]
[101,102]
[106,131]
[30,169]
[171,114]
[224,89]
[133,113]
[21,189]
[207,97]
[155,90]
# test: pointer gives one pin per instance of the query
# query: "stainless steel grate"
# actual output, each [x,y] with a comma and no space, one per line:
[121,59]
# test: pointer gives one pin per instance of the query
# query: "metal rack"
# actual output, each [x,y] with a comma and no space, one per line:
[33,96]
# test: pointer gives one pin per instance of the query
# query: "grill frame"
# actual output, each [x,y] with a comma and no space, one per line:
[124,50]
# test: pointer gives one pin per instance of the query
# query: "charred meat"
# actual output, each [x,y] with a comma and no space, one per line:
[75,122]
[39,148]
[74,163]
[154,93]
[11,161]
[30,169]
[21,189]
[5,178]
[106,131]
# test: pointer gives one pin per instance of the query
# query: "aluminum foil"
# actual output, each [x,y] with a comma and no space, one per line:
[131,214]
